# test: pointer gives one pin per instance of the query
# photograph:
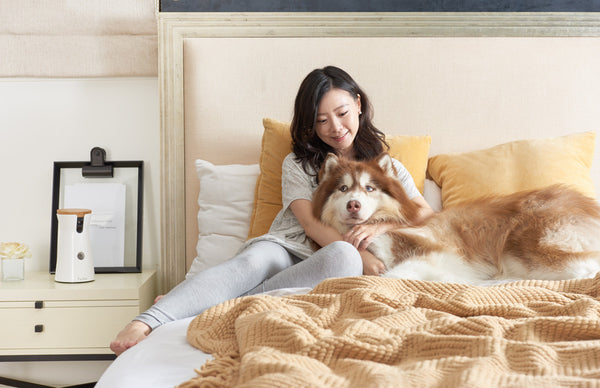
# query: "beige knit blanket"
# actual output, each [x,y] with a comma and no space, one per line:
[377,332]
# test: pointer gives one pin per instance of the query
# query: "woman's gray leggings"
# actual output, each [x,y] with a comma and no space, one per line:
[263,266]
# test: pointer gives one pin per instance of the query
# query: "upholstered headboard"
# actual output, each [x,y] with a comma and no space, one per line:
[468,80]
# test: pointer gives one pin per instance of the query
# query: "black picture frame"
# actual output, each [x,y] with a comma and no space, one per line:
[59,167]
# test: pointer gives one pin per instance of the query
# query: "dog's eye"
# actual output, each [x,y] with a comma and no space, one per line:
[343,188]
[369,188]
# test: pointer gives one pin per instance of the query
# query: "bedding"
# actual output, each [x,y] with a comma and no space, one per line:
[383,330]
[376,332]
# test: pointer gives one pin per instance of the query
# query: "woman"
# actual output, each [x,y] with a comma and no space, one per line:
[331,114]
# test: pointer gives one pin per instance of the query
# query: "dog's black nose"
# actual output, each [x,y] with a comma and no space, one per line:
[353,206]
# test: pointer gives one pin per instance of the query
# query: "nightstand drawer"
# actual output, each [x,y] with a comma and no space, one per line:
[64,324]
[42,317]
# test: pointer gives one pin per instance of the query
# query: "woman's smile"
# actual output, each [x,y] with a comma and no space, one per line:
[341,138]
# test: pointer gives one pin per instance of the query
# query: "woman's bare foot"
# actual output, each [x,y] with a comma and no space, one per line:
[132,334]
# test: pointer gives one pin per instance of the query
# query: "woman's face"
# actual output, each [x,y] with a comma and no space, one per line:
[337,120]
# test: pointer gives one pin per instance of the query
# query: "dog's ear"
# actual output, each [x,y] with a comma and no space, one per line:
[331,162]
[384,161]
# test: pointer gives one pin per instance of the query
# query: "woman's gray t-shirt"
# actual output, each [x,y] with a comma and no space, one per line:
[297,184]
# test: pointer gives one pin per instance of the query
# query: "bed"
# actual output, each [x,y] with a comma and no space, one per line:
[513,94]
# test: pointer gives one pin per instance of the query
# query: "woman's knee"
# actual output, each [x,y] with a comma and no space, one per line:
[266,255]
[342,259]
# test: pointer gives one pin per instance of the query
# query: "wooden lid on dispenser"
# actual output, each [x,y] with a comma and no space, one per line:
[77,212]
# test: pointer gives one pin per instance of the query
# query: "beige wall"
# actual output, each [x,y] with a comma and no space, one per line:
[469,92]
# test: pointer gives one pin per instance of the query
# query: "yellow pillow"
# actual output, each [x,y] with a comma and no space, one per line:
[515,166]
[412,151]
[276,144]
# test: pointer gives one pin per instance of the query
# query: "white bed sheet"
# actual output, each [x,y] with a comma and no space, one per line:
[165,358]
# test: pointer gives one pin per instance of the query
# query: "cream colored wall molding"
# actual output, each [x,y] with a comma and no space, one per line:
[174,28]
[384,24]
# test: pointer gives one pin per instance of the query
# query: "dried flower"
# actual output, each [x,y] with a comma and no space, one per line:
[13,250]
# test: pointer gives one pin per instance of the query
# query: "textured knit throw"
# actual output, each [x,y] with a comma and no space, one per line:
[376,332]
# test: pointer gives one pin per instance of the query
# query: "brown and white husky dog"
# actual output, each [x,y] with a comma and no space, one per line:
[551,233]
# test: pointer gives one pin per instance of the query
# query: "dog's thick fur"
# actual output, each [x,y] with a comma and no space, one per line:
[551,233]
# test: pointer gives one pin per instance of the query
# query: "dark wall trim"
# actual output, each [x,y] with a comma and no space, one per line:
[380,6]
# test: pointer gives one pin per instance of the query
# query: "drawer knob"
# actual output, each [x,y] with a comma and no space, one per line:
[38,328]
[39,304]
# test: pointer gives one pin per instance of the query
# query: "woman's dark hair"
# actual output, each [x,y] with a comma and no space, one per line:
[307,146]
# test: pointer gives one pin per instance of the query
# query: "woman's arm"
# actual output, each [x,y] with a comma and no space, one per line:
[315,229]
[324,235]
[424,212]
[362,235]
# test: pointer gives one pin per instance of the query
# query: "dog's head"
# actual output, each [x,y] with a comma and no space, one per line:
[352,193]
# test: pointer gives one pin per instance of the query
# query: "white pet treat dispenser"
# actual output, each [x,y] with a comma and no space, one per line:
[74,261]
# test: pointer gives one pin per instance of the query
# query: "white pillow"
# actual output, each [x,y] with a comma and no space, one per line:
[226,198]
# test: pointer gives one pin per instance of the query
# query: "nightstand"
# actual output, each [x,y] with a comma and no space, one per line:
[45,320]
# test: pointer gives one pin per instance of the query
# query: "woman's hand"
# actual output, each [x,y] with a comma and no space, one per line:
[371,264]
[362,235]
